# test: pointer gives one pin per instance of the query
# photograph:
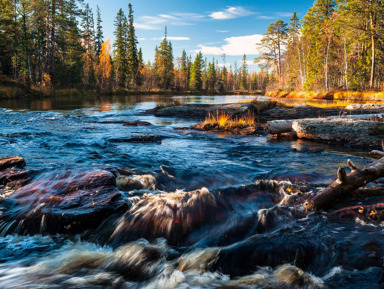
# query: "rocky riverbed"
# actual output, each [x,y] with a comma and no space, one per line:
[83,206]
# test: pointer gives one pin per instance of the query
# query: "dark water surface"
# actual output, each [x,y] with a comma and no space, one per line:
[75,134]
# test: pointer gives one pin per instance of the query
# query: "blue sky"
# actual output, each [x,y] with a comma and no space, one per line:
[213,27]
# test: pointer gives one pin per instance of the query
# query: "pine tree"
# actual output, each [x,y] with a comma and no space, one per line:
[132,56]
[211,76]
[244,73]
[99,39]
[88,42]
[164,63]
[317,28]
[196,82]
[293,54]
[120,52]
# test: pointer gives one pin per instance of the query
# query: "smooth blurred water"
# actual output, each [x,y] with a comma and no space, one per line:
[75,133]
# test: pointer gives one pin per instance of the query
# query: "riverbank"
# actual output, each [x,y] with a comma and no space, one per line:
[329,95]
[11,89]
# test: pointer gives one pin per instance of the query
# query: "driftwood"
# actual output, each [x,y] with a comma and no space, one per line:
[285,126]
[378,154]
[347,183]
[279,126]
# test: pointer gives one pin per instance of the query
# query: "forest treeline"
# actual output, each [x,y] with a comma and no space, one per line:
[60,44]
[339,44]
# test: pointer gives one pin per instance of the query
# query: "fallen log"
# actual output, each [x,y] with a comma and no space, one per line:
[347,183]
[378,154]
[279,126]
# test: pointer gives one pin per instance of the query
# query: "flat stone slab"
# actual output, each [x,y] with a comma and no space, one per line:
[355,132]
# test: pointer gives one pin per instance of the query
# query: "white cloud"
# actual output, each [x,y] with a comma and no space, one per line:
[237,45]
[230,13]
[222,31]
[144,26]
[263,17]
[173,38]
[158,22]
[284,14]
[142,39]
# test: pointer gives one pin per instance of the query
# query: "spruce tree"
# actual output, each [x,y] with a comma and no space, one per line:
[196,82]
[164,63]
[244,73]
[99,39]
[120,53]
[132,56]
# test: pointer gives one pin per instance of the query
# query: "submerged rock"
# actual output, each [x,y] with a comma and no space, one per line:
[199,110]
[169,215]
[135,182]
[145,138]
[11,174]
[137,123]
[65,202]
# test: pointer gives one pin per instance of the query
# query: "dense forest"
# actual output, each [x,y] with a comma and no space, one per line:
[61,44]
[337,45]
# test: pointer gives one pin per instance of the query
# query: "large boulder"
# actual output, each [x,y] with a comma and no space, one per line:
[64,202]
[351,131]
[169,215]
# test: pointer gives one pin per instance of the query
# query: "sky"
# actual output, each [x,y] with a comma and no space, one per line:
[210,26]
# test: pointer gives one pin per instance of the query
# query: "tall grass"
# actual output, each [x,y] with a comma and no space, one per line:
[225,121]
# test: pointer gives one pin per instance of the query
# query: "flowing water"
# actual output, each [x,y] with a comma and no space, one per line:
[220,239]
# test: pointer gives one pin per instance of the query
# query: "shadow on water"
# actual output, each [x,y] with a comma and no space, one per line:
[193,210]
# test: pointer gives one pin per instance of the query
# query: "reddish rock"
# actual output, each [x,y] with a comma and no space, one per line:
[64,202]
[10,162]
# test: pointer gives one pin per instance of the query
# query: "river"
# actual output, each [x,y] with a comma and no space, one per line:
[74,134]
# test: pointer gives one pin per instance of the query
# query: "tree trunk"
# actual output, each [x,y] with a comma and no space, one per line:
[53,39]
[346,65]
[373,44]
[346,184]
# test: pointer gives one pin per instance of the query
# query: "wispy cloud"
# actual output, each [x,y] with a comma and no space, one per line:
[284,14]
[173,38]
[222,31]
[144,26]
[158,22]
[230,13]
[237,45]
[264,17]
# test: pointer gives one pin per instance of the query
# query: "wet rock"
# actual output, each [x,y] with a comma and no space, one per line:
[136,261]
[354,132]
[169,215]
[13,178]
[239,130]
[11,174]
[135,182]
[11,162]
[65,202]
[137,123]
[373,213]
[199,110]
[146,138]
